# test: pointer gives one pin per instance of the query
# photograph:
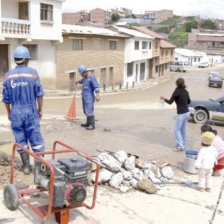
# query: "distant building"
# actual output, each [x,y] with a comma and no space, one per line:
[160,15]
[99,16]
[81,17]
[211,42]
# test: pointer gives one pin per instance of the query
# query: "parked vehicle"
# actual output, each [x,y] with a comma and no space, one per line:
[179,66]
[203,111]
[215,80]
[204,64]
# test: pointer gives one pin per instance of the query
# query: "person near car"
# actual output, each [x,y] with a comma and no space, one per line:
[90,93]
[205,161]
[182,99]
[22,92]
[218,143]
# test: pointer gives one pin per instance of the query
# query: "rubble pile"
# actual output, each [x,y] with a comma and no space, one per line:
[131,172]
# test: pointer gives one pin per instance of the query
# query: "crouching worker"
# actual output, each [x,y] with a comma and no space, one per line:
[89,86]
[205,162]
[22,92]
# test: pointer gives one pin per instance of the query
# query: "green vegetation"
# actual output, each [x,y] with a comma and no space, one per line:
[171,22]
[209,24]
[115,17]
[163,30]
[179,33]
[190,24]
[179,42]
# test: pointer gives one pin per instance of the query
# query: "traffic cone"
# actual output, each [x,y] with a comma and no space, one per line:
[72,111]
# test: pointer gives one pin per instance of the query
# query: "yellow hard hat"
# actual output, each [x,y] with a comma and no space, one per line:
[207,138]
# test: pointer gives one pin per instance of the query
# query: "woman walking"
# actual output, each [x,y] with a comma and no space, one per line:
[182,99]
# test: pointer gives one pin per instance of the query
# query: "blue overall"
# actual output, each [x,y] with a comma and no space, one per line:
[89,86]
[21,87]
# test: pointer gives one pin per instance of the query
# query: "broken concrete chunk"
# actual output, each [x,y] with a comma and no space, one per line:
[124,189]
[121,156]
[130,163]
[147,186]
[133,182]
[167,172]
[141,164]
[158,173]
[116,180]
[127,175]
[110,161]
[138,174]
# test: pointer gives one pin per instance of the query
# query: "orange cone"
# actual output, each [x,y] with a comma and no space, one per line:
[72,111]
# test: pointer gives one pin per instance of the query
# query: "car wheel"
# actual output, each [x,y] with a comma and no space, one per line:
[200,116]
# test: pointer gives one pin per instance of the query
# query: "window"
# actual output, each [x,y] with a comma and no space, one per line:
[46,12]
[157,45]
[136,45]
[77,45]
[171,52]
[130,69]
[166,52]
[33,50]
[162,53]
[144,45]
[23,10]
[113,45]
[150,45]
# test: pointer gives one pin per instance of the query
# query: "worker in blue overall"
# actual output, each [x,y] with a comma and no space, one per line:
[22,93]
[89,86]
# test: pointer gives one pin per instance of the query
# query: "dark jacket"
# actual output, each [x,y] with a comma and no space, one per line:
[181,98]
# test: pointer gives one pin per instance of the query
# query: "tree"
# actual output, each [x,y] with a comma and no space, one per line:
[115,17]
[209,24]
[191,24]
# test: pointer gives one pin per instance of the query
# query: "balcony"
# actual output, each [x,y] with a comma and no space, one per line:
[15,28]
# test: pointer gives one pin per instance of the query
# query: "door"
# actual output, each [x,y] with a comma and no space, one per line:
[142,71]
[102,77]
[111,76]
[136,73]
[150,68]
[4,63]
[72,81]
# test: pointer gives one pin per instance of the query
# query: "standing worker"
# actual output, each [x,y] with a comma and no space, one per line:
[22,91]
[182,99]
[89,86]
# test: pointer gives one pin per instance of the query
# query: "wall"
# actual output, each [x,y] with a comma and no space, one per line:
[9,9]
[95,55]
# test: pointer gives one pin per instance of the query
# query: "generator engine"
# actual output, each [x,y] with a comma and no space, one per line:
[70,180]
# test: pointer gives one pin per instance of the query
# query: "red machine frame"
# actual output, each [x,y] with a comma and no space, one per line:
[45,211]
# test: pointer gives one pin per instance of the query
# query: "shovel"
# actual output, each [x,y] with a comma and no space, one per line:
[189,183]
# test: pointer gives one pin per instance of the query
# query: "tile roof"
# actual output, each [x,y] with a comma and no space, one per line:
[189,53]
[165,44]
[147,31]
[210,38]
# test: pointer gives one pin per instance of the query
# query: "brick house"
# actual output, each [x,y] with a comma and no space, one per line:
[81,17]
[101,50]
[100,16]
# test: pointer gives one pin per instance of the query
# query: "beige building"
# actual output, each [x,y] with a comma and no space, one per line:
[162,53]
[101,50]
[160,15]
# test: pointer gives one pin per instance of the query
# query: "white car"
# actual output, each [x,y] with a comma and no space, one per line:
[203,64]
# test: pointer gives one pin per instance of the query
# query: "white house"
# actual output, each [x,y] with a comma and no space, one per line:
[193,57]
[138,51]
[36,24]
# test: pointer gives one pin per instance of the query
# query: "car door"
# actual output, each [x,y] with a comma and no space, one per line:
[218,113]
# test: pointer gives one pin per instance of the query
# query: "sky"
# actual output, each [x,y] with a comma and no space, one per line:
[204,8]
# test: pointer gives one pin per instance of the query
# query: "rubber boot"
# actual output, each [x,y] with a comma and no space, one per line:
[91,123]
[26,162]
[86,124]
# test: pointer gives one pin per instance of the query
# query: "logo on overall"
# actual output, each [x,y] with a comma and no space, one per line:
[14,85]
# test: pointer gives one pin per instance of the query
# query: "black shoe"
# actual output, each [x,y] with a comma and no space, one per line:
[25,157]
[91,123]
[86,124]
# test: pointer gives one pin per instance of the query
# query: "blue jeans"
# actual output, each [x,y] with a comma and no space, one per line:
[180,129]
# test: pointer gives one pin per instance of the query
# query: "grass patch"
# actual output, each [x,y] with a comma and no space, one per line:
[178,33]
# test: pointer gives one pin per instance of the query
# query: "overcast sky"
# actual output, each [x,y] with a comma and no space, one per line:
[204,8]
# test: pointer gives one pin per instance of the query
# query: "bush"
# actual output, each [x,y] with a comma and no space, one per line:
[190,24]
[209,24]
[163,30]
[170,22]
[179,33]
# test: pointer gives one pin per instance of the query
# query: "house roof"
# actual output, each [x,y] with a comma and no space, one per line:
[210,37]
[165,44]
[88,30]
[144,29]
[189,53]
[133,33]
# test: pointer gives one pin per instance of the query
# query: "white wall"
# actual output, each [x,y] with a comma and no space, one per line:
[46,31]
[9,9]
[130,54]
[190,59]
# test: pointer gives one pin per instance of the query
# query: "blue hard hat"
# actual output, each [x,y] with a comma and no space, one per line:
[22,52]
[81,69]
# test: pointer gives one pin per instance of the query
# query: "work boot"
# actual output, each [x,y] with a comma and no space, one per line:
[25,157]
[91,123]
[86,124]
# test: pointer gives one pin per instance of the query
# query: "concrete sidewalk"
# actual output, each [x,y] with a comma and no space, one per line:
[173,204]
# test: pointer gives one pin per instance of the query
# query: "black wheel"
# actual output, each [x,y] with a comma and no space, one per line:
[200,116]
[11,197]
